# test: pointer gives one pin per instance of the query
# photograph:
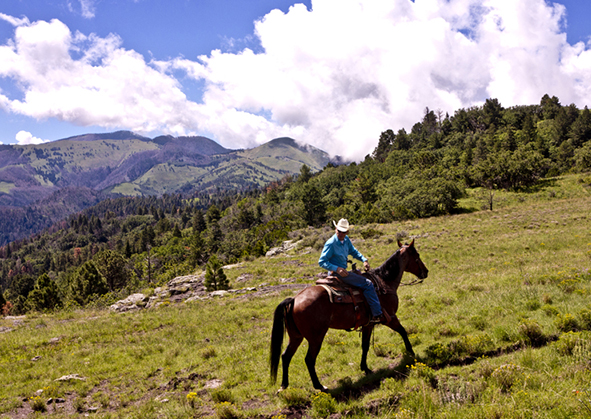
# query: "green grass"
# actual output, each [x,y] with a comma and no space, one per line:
[501,328]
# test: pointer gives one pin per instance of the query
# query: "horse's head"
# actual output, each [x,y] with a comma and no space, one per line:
[414,264]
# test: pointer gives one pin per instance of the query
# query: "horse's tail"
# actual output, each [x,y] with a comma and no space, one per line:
[279,318]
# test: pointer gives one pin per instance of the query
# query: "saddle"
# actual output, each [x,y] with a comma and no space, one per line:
[341,293]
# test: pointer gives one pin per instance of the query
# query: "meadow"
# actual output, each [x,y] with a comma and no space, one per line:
[501,329]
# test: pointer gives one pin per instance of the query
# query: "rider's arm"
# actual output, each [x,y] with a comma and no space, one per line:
[354,252]
[325,256]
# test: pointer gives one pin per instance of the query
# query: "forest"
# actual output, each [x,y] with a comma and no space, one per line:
[123,245]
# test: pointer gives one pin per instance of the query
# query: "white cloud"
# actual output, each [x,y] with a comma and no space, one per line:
[13,20]
[25,138]
[334,76]
[108,86]
[87,8]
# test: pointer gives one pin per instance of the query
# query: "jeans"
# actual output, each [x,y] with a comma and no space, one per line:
[369,291]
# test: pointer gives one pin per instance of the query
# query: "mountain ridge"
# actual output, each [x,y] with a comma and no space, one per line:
[122,163]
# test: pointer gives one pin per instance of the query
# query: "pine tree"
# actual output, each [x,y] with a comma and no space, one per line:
[215,278]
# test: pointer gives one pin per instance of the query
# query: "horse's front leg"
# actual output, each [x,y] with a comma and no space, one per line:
[365,341]
[395,325]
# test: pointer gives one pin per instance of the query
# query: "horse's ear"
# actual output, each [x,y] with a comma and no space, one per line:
[412,243]
[399,243]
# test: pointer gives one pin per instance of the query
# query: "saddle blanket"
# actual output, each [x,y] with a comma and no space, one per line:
[339,292]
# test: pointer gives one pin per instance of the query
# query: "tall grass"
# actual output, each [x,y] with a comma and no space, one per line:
[501,328]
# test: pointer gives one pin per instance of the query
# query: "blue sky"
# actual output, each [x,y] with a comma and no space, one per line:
[331,73]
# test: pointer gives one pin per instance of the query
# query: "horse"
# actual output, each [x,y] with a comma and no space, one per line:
[310,314]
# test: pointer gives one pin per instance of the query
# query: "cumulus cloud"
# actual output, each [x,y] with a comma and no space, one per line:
[107,86]
[26,138]
[334,76]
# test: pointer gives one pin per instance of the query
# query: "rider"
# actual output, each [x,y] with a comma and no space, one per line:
[334,259]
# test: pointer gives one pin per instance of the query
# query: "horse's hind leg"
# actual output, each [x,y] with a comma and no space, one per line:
[292,347]
[395,325]
[313,350]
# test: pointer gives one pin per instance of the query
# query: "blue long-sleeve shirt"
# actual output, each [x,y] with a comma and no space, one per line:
[334,254]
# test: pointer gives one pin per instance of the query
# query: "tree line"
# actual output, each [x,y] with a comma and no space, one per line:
[125,244]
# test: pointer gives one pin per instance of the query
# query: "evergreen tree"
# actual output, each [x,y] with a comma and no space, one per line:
[305,174]
[112,267]
[87,282]
[176,232]
[385,143]
[580,131]
[197,253]
[215,278]
[199,221]
[314,206]
[45,295]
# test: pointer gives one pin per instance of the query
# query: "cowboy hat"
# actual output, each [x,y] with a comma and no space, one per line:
[342,226]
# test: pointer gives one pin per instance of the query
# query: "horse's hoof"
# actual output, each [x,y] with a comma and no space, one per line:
[367,371]
[322,389]
[280,390]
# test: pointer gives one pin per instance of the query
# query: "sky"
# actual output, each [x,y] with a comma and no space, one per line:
[330,73]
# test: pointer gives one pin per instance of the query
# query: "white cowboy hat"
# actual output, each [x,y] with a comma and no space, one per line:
[342,226]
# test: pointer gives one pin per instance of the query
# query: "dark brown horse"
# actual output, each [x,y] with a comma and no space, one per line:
[310,314]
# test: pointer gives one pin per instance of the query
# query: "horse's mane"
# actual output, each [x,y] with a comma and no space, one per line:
[390,269]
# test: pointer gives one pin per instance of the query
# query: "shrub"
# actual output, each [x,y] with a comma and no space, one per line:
[585,319]
[438,352]
[550,310]
[215,278]
[425,372]
[566,323]
[323,404]
[38,404]
[506,375]
[194,400]
[567,342]
[532,332]
[222,395]
[294,397]
[209,352]
[478,322]
[227,410]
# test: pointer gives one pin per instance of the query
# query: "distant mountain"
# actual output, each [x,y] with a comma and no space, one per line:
[40,184]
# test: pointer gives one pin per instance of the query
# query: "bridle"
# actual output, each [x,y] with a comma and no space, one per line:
[420,265]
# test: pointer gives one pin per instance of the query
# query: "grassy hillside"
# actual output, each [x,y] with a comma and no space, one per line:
[501,328]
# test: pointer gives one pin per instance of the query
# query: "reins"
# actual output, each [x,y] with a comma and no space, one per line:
[414,282]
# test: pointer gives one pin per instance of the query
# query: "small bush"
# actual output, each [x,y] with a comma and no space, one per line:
[532,305]
[227,410]
[532,332]
[294,397]
[323,404]
[566,323]
[478,322]
[567,342]
[425,372]
[194,400]
[208,352]
[584,319]
[38,404]
[438,352]
[506,375]
[550,310]
[370,233]
[222,395]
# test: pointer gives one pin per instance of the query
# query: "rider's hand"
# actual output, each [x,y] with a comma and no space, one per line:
[366,265]
[342,272]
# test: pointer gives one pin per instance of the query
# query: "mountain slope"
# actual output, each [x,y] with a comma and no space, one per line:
[95,166]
